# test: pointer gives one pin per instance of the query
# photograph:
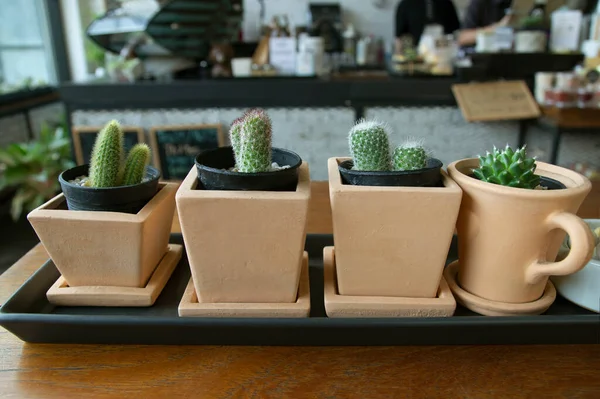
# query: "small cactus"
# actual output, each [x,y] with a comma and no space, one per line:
[235,135]
[508,168]
[369,146]
[135,165]
[253,154]
[410,156]
[107,156]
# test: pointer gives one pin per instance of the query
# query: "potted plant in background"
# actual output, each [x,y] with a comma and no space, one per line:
[393,222]
[30,170]
[513,218]
[583,287]
[108,232]
[243,216]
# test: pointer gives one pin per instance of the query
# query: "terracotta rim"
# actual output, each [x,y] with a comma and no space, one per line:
[575,182]
[473,302]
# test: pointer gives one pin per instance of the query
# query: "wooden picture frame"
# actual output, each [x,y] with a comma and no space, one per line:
[158,151]
[78,131]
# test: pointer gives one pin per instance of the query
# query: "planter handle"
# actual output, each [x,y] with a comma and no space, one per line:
[582,245]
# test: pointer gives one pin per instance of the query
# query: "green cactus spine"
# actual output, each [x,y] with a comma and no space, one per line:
[135,165]
[369,146]
[508,168]
[254,153]
[107,156]
[410,156]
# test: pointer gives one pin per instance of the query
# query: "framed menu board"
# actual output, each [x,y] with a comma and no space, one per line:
[84,139]
[175,147]
[495,101]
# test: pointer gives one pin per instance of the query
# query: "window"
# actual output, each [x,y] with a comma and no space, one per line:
[25,51]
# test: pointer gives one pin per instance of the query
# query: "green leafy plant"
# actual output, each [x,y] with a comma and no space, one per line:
[410,156]
[251,142]
[32,168]
[106,165]
[369,146]
[508,168]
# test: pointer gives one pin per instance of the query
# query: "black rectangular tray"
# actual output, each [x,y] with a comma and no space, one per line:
[29,316]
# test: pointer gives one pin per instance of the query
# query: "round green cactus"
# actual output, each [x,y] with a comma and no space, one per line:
[135,165]
[369,146]
[254,152]
[508,168]
[410,156]
[107,156]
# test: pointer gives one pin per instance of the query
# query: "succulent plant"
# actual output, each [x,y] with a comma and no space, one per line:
[106,165]
[253,154]
[107,156]
[410,156]
[369,146]
[508,168]
[135,165]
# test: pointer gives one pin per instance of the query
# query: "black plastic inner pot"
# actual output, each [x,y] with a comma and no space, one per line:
[214,174]
[125,199]
[547,182]
[430,176]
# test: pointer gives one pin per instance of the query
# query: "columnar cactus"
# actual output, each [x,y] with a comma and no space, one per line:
[410,156]
[106,165]
[107,156]
[254,151]
[369,146]
[235,136]
[508,168]
[135,165]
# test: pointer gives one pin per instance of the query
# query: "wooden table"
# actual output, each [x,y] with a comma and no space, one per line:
[561,120]
[109,371]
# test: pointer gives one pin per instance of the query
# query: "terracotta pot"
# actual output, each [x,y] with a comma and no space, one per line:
[391,241]
[244,246]
[92,248]
[509,237]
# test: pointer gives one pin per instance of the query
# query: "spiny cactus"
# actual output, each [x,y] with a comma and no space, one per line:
[254,151]
[106,165]
[135,165]
[369,146]
[508,168]
[410,156]
[107,156]
[235,133]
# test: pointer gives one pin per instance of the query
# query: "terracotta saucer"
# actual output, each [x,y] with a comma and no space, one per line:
[190,307]
[61,294]
[370,306]
[493,308]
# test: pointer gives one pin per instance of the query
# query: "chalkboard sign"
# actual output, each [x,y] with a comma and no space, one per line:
[85,137]
[175,147]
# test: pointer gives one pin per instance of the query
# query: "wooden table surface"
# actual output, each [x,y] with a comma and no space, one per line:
[108,371]
[573,118]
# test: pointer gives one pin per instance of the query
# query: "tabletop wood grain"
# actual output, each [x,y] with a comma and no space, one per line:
[109,371]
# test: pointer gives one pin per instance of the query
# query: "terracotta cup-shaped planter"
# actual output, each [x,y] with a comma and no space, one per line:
[391,241]
[509,237]
[92,248]
[244,246]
